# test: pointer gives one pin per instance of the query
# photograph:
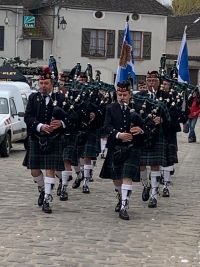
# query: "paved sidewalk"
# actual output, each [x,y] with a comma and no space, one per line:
[85,231]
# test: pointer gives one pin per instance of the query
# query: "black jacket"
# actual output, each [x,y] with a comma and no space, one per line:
[116,121]
[37,111]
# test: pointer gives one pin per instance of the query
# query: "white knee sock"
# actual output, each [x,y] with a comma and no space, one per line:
[118,189]
[126,193]
[154,183]
[87,171]
[48,182]
[65,177]
[39,180]
[144,178]
[166,175]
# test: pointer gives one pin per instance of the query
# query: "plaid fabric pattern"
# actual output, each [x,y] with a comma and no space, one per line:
[52,160]
[172,149]
[130,168]
[70,151]
[92,146]
[157,154]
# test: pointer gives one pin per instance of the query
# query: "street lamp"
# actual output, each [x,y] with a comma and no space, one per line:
[62,23]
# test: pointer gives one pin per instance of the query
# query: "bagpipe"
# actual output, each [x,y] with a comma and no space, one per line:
[179,93]
[149,109]
[84,98]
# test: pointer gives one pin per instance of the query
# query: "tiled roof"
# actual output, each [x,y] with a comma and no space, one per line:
[126,6]
[176,25]
[24,3]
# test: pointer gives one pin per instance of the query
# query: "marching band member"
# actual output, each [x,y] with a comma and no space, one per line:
[45,139]
[155,155]
[122,132]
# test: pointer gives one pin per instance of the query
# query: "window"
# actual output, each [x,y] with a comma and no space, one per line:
[13,107]
[37,49]
[99,14]
[4,106]
[25,100]
[98,43]
[141,44]
[1,38]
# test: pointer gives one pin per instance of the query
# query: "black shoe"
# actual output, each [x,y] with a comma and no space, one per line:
[64,194]
[59,187]
[41,198]
[46,207]
[191,140]
[165,192]
[152,203]
[146,193]
[76,183]
[86,189]
[123,214]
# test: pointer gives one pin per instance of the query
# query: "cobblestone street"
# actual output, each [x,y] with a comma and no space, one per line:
[85,231]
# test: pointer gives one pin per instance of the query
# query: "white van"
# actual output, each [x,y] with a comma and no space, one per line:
[13,101]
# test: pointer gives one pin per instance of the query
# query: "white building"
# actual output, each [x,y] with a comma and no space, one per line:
[93,33]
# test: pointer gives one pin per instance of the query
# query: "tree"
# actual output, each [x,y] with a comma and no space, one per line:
[183,7]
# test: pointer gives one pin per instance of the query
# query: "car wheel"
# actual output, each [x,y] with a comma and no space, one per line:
[5,146]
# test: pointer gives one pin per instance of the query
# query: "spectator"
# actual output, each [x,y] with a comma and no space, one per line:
[194,110]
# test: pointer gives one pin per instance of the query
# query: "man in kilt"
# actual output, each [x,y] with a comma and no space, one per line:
[154,155]
[87,143]
[174,105]
[125,137]
[45,137]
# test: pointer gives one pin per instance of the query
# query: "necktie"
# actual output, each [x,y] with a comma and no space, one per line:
[46,99]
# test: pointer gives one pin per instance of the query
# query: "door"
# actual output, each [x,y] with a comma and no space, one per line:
[16,122]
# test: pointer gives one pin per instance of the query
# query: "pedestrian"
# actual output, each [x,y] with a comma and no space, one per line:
[194,110]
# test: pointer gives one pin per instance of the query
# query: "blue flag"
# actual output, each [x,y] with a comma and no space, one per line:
[182,62]
[126,66]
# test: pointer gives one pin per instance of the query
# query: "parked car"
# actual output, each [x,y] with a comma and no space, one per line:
[13,101]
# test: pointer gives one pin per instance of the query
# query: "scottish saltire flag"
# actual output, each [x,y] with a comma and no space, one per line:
[126,68]
[182,62]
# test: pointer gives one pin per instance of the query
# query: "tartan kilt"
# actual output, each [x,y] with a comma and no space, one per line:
[70,152]
[92,145]
[52,160]
[155,155]
[129,169]
[172,149]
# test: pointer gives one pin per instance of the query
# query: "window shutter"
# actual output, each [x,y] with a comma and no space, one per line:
[85,46]
[1,38]
[120,41]
[110,53]
[147,45]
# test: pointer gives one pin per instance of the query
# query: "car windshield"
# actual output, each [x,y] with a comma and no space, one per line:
[4,106]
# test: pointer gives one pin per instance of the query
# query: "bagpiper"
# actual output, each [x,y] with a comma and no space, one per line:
[125,137]
[45,137]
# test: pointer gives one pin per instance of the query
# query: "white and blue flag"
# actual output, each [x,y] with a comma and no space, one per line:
[126,68]
[182,62]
